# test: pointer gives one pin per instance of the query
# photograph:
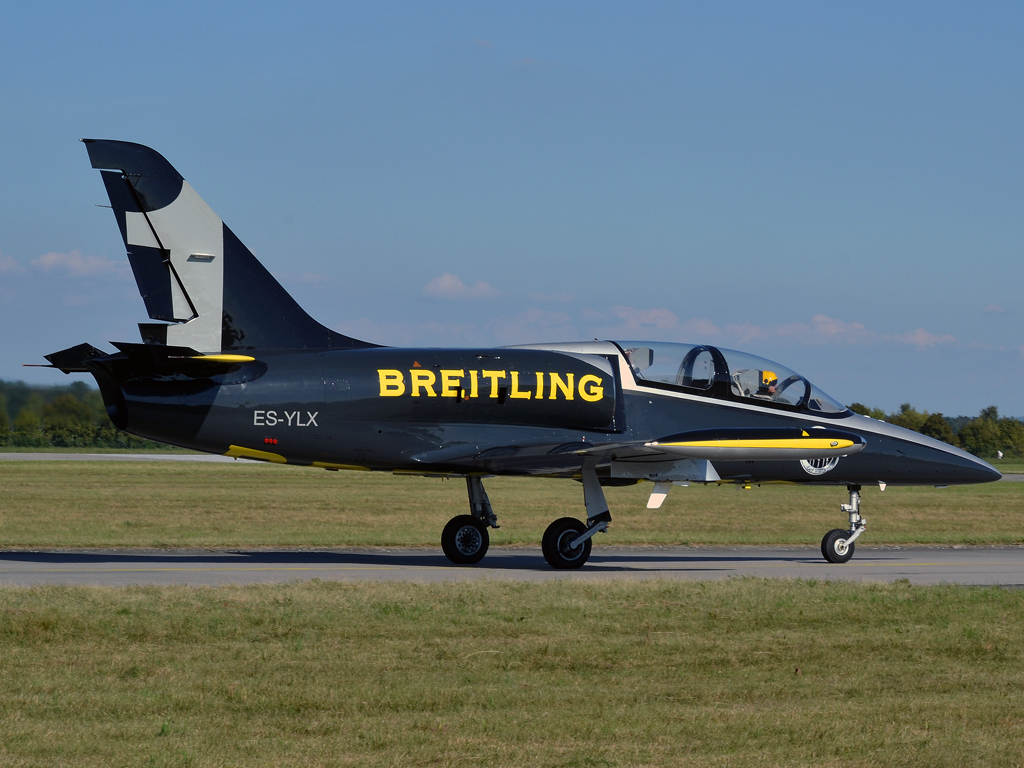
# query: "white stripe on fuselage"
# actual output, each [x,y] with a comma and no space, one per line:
[854,420]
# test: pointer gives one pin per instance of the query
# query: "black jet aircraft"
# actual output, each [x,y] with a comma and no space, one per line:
[234,366]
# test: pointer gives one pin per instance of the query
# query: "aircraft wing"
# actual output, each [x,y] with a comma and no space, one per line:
[688,456]
[687,453]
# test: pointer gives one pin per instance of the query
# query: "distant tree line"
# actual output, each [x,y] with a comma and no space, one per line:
[986,435]
[61,417]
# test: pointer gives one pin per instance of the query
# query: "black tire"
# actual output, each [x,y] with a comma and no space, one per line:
[465,540]
[830,543]
[556,540]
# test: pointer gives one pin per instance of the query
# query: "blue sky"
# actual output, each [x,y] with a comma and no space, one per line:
[839,187]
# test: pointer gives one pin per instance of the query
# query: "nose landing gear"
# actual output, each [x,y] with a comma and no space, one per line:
[838,545]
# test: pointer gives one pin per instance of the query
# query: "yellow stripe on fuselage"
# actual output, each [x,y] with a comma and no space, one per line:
[804,443]
[224,358]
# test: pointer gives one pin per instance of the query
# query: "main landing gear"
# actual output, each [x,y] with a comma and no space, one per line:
[837,545]
[465,538]
[566,544]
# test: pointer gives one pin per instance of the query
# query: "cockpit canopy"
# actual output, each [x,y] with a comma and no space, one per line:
[726,374]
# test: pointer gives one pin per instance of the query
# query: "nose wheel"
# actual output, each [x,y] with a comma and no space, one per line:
[837,545]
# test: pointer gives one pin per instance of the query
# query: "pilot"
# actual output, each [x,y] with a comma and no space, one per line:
[769,382]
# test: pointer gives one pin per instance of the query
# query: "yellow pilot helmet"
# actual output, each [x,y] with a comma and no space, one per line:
[768,378]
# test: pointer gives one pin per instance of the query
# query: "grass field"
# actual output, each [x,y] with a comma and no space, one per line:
[1008,465]
[87,504]
[734,673]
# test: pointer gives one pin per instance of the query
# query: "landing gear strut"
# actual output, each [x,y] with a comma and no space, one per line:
[566,543]
[837,545]
[465,538]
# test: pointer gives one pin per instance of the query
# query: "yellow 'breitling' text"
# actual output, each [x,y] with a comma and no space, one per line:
[460,383]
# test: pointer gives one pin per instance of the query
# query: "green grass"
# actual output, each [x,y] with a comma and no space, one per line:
[733,673]
[87,504]
[1014,466]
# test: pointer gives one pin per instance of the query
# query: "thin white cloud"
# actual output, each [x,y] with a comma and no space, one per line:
[635,320]
[821,330]
[993,309]
[987,347]
[825,330]
[662,323]
[75,264]
[552,298]
[921,338]
[414,334]
[652,322]
[10,266]
[481,43]
[535,326]
[449,286]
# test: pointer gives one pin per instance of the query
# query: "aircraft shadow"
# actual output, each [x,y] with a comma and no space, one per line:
[496,560]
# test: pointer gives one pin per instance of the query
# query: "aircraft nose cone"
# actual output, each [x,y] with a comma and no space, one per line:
[924,461]
[974,470]
[990,473]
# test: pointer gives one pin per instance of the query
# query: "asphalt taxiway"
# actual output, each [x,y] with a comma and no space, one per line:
[1002,566]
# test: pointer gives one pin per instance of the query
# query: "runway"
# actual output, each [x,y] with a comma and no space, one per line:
[1002,566]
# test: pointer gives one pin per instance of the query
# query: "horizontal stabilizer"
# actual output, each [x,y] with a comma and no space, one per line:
[160,352]
[155,358]
[72,359]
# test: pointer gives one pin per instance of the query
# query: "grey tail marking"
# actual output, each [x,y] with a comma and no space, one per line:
[208,290]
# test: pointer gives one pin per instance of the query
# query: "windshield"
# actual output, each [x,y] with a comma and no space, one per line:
[759,379]
[741,376]
[685,365]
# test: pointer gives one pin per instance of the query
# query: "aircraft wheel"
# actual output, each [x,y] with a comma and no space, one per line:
[834,546]
[465,540]
[555,544]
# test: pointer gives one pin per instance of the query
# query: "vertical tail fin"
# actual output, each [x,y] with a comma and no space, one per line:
[194,274]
